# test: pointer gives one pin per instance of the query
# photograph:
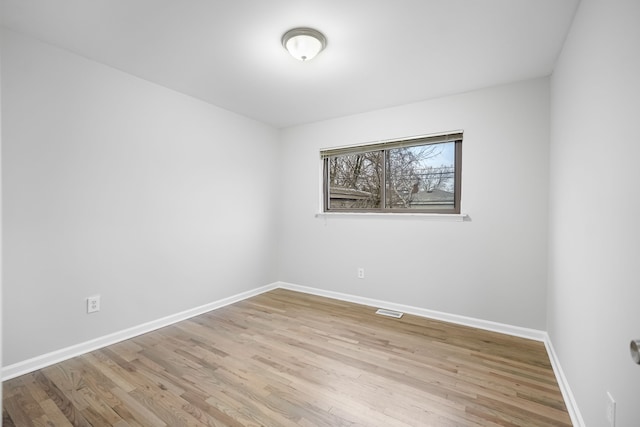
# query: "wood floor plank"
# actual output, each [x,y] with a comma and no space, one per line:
[54,415]
[7,421]
[17,413]
[284,358]
[131,409]
[71,407]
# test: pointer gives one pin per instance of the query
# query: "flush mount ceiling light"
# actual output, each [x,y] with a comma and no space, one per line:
[304,43]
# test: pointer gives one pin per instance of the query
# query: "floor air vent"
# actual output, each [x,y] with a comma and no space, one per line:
[389,313]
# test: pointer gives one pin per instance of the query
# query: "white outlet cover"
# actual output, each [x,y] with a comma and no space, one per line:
[93,304]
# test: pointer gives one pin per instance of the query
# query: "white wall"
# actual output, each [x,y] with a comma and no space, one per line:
[115,186]
[594,279]
[492,268]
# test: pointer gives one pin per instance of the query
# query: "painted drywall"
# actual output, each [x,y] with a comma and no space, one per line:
[493,267]
[594,269]
[115,186]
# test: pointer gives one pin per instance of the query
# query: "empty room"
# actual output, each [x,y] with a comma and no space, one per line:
[320,213]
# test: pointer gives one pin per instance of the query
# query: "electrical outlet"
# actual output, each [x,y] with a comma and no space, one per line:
[611,410]
[360,273]
[93,304]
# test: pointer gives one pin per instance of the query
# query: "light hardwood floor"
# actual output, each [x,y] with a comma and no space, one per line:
[290,359]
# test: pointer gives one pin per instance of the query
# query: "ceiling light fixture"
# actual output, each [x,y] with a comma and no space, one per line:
[304,43]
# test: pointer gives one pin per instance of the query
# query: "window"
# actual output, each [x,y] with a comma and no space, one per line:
[410,175]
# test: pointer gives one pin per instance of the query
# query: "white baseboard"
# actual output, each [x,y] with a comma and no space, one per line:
[42,361]
[533,334]
[569,399]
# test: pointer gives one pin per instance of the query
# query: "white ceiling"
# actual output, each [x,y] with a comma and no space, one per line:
[379,54]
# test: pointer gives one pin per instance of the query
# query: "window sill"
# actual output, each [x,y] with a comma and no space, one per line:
[420,216]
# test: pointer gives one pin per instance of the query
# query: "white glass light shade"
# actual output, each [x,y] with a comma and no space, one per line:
[304,43]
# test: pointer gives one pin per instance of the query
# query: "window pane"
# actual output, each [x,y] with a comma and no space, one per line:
[421,177]
[354,181]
